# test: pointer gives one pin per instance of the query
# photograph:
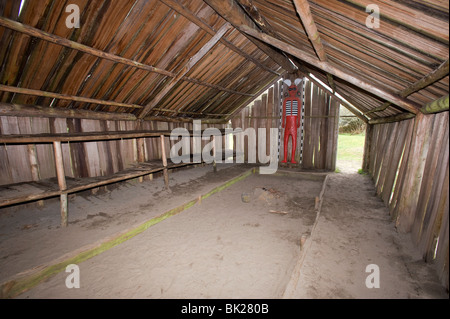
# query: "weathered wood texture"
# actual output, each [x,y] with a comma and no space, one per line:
[321,123]
[317,135]
[409,163]
[33,162]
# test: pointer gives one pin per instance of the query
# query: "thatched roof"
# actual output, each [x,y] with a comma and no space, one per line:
[207,59]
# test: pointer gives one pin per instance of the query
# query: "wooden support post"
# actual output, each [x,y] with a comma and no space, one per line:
[61,181]
[140,149]
[164,160]
[34,167]
[214,154]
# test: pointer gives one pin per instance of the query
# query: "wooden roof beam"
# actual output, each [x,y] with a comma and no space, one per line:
[13,89]
[304,11]
[33,32]
[18,90]
[20,110]
[328,68]
[176,6]
[232,12]
[186,68]
[427,80]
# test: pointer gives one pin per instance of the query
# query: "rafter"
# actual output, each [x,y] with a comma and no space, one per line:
[427,80]
[304,11]
[328,68]
[33,32]
[234,14]
[175,5]
[187,67]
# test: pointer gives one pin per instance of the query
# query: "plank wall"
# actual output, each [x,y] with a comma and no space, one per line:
[318,133]
[34,162]
[409,163]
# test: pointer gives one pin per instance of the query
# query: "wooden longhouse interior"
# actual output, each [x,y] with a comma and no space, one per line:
[91,93]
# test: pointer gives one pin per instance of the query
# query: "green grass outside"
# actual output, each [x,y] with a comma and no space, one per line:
[350,151]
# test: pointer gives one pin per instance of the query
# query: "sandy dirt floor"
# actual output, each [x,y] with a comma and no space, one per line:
[243,242]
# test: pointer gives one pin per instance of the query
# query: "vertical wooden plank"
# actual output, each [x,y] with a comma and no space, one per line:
[324,111]
[398,186]
[372,153]
[108,158]
[413,179]
[423,232]
[262,123]
[45,157]
[5,171]
[269,114]
[315,125]
[307,139]
[164,161]
[442,251]
[394,162]
[335,132]
[387,153]
[33,162]
[367,147]
[91,149]
[61,182]
[17,155]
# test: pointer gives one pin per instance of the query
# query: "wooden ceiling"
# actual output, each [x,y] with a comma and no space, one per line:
[184,59]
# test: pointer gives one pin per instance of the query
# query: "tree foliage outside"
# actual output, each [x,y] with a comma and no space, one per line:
[350,125]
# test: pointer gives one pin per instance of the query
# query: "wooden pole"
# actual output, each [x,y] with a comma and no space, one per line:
[304,11]
[392,119]
[439,105]
[328,68]
[61,182]
[13,89]
[164,160]
[427,80]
